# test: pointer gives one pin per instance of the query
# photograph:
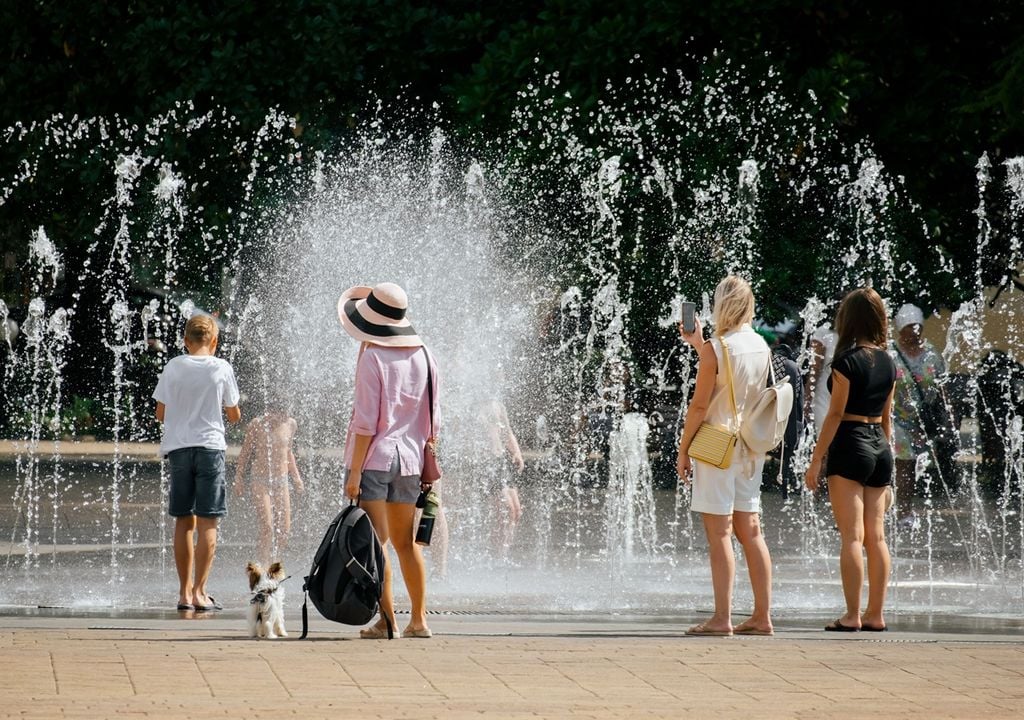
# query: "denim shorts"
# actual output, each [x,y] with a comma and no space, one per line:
[389,485]
[197,482]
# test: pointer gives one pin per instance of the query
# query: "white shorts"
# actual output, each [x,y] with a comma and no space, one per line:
[723,492]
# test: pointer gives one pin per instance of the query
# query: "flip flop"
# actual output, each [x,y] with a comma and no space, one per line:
[186,606]
[874,628]
[214,605]
[374,632]
[839,627]
[702,630]
[420,633]
[750,630]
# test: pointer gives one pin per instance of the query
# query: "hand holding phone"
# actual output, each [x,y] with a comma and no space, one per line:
[689,321]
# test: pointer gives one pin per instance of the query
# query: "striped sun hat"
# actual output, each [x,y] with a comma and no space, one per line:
[377,315]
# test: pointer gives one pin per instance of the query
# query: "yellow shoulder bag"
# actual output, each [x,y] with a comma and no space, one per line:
[714,444]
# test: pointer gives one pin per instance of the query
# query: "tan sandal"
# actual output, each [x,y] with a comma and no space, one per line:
[420,633]
[374,632]
[744,629]
[703,630]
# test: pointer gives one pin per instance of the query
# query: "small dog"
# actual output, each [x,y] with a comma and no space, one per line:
[266,609]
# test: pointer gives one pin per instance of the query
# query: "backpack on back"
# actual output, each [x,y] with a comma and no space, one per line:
[347,577]
[764,424]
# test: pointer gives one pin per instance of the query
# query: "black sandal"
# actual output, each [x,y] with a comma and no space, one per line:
[839,627]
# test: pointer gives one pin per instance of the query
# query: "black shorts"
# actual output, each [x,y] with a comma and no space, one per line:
[861,452]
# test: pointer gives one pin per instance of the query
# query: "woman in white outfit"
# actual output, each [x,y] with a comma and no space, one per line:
[729,500]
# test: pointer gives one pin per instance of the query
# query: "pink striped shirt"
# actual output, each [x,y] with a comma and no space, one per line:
[391,406]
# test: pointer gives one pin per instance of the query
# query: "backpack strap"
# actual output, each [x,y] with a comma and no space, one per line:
[317,559]
[305,612]
[358,570]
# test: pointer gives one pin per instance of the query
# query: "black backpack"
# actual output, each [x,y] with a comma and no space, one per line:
[347,577]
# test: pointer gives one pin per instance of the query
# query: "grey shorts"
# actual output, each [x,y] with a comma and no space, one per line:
[389,485]
[197,483]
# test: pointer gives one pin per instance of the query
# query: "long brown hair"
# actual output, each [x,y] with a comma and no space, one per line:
[861,319]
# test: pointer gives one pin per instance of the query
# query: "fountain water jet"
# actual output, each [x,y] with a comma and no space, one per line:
[555,281]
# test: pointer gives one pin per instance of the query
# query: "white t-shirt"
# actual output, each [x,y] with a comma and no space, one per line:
[194,389]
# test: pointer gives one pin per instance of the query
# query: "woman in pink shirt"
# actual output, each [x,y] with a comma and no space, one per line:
[390,427]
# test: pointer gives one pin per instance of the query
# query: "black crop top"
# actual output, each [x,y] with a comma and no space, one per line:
[871,373]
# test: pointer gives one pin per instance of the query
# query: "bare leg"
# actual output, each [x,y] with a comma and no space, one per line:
[500,526]
[718,529]
[879,562]
[400,520]
[206,548]
[759,565]
[377,510]
[506,525]
[284,504]
[847,497]
[184,556]
[264,521]
[515,509]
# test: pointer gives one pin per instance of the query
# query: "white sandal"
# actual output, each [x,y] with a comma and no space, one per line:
[374,632]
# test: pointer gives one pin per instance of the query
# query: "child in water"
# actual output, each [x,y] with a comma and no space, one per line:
[501,463]
[267,454]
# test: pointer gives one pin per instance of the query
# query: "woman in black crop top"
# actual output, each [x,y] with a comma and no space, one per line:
[857,435]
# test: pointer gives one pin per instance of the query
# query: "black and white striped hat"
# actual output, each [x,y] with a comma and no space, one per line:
[377,315]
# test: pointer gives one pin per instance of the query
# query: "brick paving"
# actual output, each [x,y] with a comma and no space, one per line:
[502,668]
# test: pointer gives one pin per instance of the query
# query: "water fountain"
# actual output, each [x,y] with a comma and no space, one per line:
[534,254]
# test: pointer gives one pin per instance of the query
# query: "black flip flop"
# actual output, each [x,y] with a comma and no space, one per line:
[874,628]
[186,606]
[214,605]
[839,627]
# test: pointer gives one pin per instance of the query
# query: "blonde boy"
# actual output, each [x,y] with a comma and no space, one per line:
[189,396]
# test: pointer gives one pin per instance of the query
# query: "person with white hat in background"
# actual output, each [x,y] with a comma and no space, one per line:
[922,421]
[392,421]
[823,347]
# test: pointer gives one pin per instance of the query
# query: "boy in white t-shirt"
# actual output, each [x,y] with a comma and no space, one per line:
[189,396]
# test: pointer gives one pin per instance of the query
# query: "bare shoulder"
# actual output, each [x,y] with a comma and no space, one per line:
[708,354]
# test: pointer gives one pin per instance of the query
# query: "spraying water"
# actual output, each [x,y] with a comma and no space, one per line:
[535,265]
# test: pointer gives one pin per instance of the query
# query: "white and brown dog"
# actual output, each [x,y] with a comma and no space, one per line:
[266,609]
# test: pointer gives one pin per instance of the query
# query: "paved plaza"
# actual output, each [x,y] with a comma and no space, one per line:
[160,666]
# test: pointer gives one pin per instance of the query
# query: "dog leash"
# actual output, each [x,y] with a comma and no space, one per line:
[261,595]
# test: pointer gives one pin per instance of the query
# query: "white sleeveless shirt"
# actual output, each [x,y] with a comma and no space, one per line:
[749,357]
[738,487]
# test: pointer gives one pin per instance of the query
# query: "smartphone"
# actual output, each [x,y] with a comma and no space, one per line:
[689,311]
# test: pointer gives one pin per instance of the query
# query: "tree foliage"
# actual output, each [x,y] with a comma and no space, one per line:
[931,86]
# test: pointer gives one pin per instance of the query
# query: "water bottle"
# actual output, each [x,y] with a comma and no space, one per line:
[429,502]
